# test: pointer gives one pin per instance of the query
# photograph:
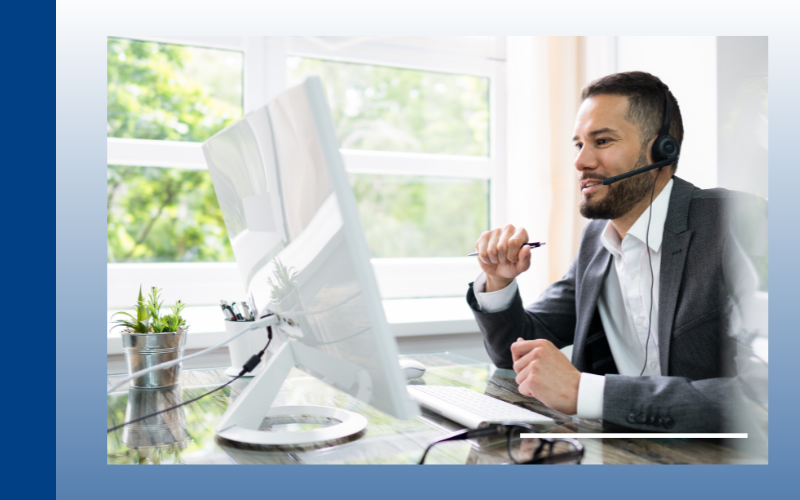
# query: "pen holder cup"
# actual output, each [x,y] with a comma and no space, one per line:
[245,346]
[143,350]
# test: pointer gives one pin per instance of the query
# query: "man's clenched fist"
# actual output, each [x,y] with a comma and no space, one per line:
[545,373]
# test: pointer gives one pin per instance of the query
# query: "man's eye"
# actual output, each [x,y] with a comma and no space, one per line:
[578,146]
[600,142]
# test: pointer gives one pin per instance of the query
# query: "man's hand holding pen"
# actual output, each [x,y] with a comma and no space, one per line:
[504,254]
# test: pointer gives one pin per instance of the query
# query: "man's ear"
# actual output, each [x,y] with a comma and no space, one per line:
[649,149]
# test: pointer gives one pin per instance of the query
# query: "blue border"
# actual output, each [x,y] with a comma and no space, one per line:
[27,76]
[80,293]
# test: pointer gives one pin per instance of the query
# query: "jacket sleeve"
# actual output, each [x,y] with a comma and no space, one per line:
[551,317]
[671,404]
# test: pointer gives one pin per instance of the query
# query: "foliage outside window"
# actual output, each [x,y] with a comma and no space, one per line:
[167,92]
[407,216]
[164,215]
[171,92]
[382,108]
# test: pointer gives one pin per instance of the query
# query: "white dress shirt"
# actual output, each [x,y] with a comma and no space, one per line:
[623,304]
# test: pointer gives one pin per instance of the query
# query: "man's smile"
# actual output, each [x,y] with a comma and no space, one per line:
[591,185]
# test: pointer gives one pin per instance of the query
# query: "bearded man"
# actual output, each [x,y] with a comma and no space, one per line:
[647,302]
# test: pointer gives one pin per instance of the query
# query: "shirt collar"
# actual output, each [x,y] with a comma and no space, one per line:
[659,207]
[610,238]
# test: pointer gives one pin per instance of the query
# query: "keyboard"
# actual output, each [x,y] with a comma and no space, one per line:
[471,409]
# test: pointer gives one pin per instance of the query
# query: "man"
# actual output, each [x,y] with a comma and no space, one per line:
[650,353]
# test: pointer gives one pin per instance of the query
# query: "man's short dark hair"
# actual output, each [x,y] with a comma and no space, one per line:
[645,94]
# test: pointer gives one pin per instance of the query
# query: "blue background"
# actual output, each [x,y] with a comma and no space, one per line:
[80,151]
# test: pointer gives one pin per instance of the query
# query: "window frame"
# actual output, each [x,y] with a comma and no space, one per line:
[264,78]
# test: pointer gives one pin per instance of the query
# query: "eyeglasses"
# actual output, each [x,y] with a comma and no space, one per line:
[522,450]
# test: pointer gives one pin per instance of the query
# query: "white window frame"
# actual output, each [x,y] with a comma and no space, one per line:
[264,78]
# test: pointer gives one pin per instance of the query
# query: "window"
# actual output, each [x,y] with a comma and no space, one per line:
[381,108]
[167,92]
[417,120]
[419,123]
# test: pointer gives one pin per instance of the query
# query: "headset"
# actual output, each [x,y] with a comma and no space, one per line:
[665,152]
[665,149]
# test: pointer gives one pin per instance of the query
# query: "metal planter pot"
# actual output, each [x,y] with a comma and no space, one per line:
[159,431]
[143,350]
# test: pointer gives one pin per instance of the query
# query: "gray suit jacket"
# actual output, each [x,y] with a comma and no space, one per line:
[698,391]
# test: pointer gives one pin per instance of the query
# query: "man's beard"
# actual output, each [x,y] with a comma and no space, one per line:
[621,197]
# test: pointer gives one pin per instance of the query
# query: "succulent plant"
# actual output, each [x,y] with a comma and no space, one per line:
[285,282]
[148,318]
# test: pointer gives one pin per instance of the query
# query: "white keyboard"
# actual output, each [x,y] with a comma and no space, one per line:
[470,408]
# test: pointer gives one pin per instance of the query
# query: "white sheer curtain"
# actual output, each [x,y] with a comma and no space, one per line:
[544,75]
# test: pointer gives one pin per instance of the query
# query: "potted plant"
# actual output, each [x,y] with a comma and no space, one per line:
[284,294]
[150,338]
[284,286]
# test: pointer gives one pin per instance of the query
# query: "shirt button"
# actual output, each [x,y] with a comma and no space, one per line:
[639,320]
[653,365]
[633,275]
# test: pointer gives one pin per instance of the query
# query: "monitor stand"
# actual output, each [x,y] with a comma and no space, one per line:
[243,418]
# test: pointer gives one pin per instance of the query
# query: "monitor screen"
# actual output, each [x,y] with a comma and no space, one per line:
[292,220]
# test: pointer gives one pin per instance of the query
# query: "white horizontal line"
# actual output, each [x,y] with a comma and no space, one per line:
[637,435]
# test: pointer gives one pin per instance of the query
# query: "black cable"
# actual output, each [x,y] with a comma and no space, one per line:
[650,260]
[113,421]
[254,360]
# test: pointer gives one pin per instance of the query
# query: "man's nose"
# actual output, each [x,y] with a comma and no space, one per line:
[585,160]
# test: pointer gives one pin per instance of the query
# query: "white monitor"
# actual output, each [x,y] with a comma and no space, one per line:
[301,253]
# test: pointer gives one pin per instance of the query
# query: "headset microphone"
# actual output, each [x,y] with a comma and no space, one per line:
[665,149]
[661,164]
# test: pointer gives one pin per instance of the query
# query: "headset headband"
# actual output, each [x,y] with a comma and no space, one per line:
[667,113]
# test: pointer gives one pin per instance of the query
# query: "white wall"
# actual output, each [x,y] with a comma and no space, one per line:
[688,65]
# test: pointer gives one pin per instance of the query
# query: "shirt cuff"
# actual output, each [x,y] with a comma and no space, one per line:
[493,302]
[591,389]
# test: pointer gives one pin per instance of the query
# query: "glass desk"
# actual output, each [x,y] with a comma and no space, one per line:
[186,435]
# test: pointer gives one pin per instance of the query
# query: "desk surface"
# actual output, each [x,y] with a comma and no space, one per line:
[186,435]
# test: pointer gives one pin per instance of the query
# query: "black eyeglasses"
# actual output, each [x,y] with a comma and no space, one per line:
[522,450]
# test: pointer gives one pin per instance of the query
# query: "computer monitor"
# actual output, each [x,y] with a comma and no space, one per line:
[301,253]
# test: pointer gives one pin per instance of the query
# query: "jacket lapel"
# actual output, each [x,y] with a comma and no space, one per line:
[674,249]
[587,294]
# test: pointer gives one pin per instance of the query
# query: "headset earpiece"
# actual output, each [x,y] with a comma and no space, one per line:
[665,146]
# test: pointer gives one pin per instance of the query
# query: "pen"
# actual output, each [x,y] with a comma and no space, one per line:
[237,311]
[231,314]
[532,245]
[253,305]
[226,312]
[246,312]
